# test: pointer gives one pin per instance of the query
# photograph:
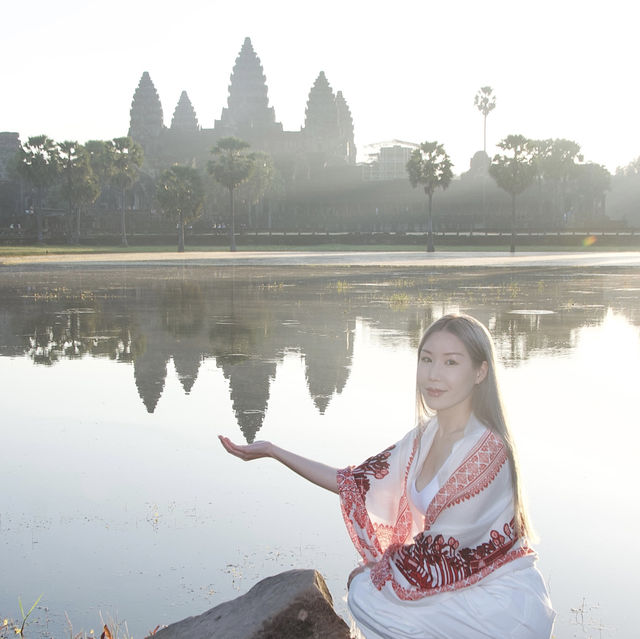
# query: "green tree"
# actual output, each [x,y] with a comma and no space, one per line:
[592,183]
[539,150]
[258,183]
[633,168]
[102,161]
[39,165]
[231,166]
[127,160]
[559,169]
[430,166]
[180,195]
[513,172]
[485,102]
[79,185]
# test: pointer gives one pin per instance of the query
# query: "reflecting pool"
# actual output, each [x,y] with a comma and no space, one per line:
[118,500]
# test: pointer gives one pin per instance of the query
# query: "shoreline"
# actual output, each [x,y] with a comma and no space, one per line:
[463,259]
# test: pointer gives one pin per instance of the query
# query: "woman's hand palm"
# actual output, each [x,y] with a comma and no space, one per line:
[246,452]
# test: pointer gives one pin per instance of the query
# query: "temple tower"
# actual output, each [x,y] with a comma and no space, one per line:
[328,126]
[321,114]
[248,114]
[345,129]
[146,123]
[325,140]
[184,117]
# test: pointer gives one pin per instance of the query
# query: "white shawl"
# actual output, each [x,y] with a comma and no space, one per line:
[468,529]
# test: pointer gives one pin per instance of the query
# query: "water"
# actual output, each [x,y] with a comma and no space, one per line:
[117,500]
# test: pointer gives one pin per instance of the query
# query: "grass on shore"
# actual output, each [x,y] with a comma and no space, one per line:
[36,250]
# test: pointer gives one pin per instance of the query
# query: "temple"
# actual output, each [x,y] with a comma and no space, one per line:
[184,117]
[146,123]
[248,114]
[325,140]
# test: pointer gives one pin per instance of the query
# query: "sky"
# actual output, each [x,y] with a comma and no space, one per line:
[409,70]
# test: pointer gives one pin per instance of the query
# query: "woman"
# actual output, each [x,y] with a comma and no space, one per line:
[438,517]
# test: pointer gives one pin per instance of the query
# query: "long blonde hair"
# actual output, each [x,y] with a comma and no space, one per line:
[486,402]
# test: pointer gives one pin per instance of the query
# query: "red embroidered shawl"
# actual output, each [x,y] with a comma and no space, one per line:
[467,531]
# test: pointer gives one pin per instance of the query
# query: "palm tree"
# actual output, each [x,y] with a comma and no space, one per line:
[430,166]
[633,168]
[539,151]
[39,165]
[593,181]
[257,184]
[180,194]
[101,159]
[231,166]
[559,168]
[79,185]
[485,102]
[127,160]
[513,172]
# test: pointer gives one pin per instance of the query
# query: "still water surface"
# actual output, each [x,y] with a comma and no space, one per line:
[116,497]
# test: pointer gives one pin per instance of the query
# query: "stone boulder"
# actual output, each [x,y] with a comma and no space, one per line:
[295,604]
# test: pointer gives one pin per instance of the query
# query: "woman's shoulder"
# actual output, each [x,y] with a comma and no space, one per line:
[480,441]
[478,429]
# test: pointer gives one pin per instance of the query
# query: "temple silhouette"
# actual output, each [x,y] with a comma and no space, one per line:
[325,140]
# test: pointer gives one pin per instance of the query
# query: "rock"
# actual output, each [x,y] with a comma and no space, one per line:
[295,604]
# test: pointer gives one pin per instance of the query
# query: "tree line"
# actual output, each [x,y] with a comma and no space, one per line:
[548,183]
[81,173]
[555,167]
[553,173]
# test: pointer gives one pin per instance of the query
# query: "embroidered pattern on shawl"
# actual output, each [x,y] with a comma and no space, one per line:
[430,564]
[377,466]
[475,473]
[353,486]
[397,533]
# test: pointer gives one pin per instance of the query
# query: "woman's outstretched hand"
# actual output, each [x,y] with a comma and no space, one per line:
[319,474]
[248,451]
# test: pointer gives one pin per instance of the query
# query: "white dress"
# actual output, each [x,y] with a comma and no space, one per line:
[455,570]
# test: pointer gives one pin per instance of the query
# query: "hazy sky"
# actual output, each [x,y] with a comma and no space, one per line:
[409,70]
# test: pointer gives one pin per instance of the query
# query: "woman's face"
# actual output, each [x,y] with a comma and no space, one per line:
[446,374]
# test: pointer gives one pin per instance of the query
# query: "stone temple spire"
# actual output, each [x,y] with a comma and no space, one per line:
[146,113]
[321,115]
[345,128]
[184,117]
[247,107]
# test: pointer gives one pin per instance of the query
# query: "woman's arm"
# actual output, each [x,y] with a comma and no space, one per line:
[317,473]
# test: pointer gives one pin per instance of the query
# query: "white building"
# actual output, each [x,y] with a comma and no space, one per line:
[387,160]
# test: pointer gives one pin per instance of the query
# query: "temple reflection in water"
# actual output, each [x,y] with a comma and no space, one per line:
[248,320]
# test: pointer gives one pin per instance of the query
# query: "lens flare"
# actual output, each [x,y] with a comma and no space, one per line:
[589,241]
